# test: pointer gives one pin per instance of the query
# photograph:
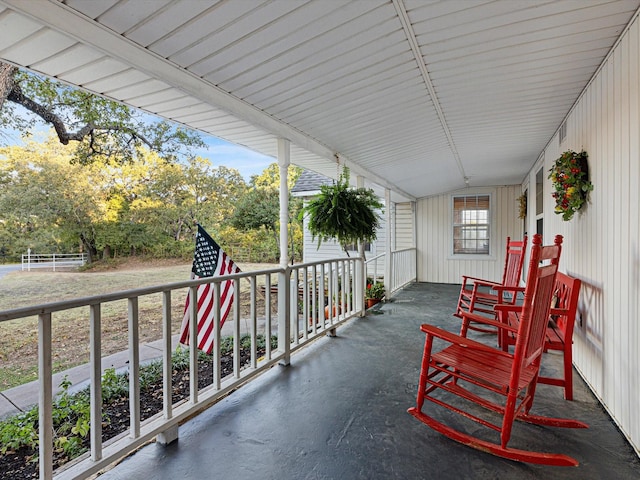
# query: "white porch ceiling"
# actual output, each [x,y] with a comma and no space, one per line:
[416,95]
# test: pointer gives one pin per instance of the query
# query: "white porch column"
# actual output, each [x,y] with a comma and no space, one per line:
[361,271]
[388,264]
[284,304]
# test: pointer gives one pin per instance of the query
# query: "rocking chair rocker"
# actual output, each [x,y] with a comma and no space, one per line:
[475,372]
[479,295]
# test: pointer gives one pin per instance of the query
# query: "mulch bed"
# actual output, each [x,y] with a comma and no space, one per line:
[20,464]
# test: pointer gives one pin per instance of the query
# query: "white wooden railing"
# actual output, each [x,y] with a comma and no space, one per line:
[339,281]
[52,260]
[403,268]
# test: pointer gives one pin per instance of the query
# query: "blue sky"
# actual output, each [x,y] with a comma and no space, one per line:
[246,161]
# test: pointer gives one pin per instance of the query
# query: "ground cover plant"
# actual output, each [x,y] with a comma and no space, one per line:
[71,412]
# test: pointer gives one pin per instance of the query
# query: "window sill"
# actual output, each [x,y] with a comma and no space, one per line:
[471,256]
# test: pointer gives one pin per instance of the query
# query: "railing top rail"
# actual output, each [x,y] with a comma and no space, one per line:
[54,255]
[320,262]
[123,295]
[407,249]
[369,260]
[126,294]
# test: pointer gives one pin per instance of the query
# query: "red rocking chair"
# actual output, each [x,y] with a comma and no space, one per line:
[470,371]
[479,295]
[559,336]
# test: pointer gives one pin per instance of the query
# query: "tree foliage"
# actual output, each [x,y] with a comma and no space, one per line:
[102,130]
[260,207]
[113,209]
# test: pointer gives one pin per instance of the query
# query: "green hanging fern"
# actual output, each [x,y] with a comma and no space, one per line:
[346,214]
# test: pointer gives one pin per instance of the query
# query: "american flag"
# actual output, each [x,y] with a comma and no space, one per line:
[209,260]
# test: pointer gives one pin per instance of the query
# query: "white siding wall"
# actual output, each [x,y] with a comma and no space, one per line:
[434,237]
[602,242]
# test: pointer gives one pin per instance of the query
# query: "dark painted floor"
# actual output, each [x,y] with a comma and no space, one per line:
[339,412]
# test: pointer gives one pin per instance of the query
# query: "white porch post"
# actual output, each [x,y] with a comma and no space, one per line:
[388,267]
[361,270]
[284,304]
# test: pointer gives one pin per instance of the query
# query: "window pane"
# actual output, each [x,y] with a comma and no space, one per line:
[471,224]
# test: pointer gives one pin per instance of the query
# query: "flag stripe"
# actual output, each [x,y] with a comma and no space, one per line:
[210,259]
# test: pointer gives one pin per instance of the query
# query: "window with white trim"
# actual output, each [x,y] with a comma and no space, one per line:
[471,224]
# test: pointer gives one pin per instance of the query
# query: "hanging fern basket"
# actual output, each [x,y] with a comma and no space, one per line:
[348,215]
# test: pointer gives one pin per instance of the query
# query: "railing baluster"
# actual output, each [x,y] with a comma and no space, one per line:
[193,345]
[95,361]
[305,302]
[134,368]
[236,329]
[314,298]
[254,322]
[45,397]
[167,367]
[216,337]
[321,287]
[267,314]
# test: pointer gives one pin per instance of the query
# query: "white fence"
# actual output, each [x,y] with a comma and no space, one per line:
[316,299]
[53,260]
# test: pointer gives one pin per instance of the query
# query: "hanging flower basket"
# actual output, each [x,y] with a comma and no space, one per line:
[571,186]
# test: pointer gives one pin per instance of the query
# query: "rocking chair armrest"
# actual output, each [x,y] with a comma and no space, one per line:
[514,290]
[509,288]
[458,340]
[487,321]
[558,311]
[480,281]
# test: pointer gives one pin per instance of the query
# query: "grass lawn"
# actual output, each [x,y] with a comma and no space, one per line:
[19,338]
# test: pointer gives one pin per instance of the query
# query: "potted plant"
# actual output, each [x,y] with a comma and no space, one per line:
[570,178]
[346,214]
[374,293]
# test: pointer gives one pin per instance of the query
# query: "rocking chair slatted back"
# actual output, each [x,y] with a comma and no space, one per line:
[513,262]
[470,371]
[559,332]
[480,295]
[537,319]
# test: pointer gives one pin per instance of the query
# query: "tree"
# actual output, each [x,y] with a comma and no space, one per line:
[260,207]
[46,203]
[103,129]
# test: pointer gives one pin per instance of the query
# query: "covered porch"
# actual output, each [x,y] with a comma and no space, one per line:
[422,101]
[339,411]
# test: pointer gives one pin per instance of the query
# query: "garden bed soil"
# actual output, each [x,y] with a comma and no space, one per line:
[22,464]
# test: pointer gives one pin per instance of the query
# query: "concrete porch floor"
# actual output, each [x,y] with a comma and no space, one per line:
[339,412]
